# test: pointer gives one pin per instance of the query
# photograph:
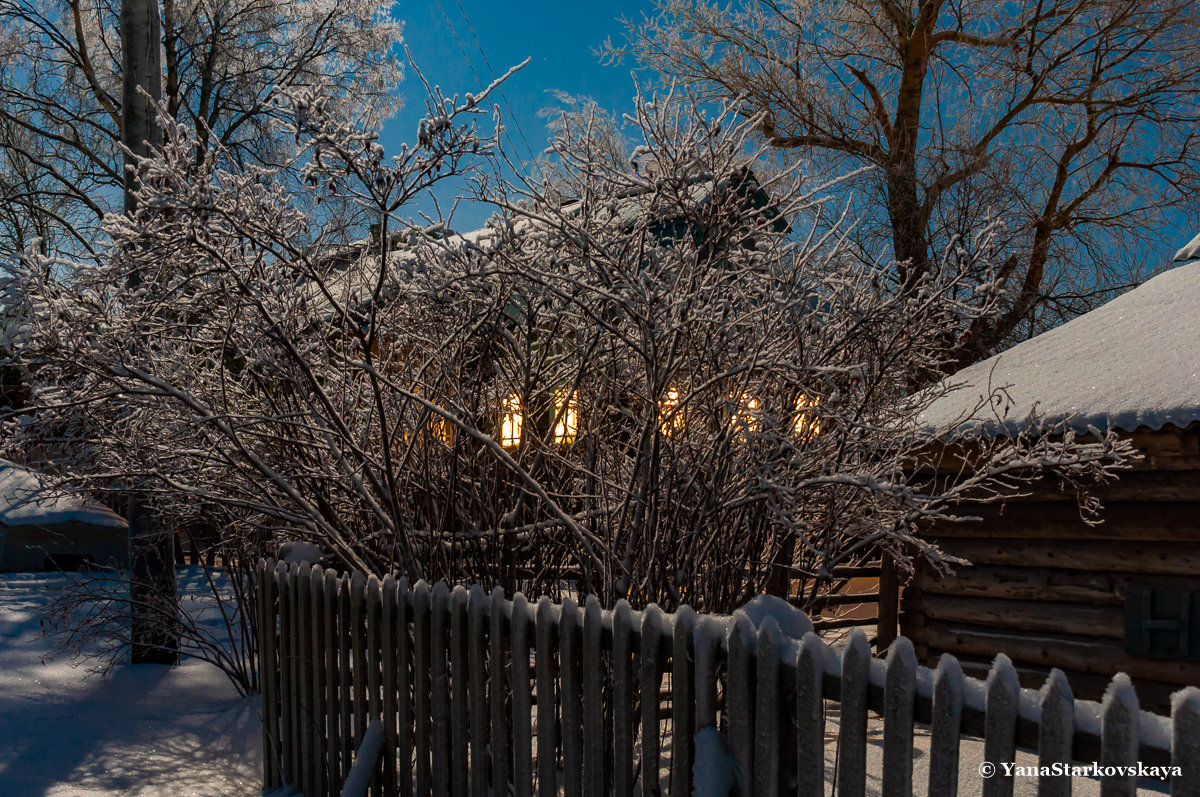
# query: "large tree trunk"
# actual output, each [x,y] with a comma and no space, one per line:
[154,634]
[142,87]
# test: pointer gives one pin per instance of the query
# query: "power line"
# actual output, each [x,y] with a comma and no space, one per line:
[492,72]
[474,72]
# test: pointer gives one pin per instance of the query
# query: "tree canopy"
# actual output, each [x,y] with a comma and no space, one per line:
[1073,121]
[223,62]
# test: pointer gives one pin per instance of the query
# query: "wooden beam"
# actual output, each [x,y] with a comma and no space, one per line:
[889,603]
[1153,522]
[1097,656]
[1146,486]
[1148,558]
[850,622]
[1105,622]
[1037,584]
[856,571]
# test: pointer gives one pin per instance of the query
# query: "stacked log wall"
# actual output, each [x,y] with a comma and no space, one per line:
[1049,589]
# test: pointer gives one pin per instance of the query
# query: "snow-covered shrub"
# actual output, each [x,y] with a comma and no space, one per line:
[675,387]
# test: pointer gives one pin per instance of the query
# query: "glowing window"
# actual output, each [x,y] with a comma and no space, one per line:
[670,418]
[747,414]
[441,430]
[807,425]
[510,425]
[567,425]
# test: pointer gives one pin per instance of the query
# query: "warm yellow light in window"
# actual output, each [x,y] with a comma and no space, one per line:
[747,413]
[670,419]
[567,425]
[510,424]
[442,430]
[807,425]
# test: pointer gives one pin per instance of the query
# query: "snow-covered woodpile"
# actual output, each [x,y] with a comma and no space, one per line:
[1045,587]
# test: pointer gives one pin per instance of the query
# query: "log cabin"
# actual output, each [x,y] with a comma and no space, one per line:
[1044,587]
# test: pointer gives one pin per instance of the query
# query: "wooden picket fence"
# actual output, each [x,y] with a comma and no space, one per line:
[473,694]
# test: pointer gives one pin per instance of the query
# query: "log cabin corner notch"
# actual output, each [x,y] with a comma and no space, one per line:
[1044,587]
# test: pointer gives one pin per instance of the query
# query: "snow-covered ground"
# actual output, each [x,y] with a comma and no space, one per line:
[149,730]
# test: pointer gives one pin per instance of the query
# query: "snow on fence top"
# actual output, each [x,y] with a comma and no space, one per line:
[1133,362]
[26,501]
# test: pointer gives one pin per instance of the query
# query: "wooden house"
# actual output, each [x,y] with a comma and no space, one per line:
[1044,587]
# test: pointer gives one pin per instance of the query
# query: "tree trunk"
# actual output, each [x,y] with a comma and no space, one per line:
[154,633]
[142,87]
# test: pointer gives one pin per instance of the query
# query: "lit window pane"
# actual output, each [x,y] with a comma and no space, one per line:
[670,418]
[510,425]
[747,419]
[807,424]
[567,425]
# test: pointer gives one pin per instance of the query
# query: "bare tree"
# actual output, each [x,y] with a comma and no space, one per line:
[221,62]
[1073,120]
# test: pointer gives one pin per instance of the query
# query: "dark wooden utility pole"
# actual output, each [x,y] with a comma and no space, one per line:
[154,630]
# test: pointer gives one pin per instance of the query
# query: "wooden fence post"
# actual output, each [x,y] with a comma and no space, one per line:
[810,715]
[1055,733]
[303,652]
[421,696]
[1185,742]
[320,775]
[547,714]
[522,701]
[440,686]
[333,707]
[946,725]
[707,646]
[287,690]
[346,672]
[1119,736]
[852,740]
[391,672]
[1000,726]
[476,632]
[622,658]
[497,678]
[571,698]
[767,726]
[593,699]
[463,720]
[739,696]
[650,672]
[900,688]
[683,700]
[404,712]
[889,603]
[374,616]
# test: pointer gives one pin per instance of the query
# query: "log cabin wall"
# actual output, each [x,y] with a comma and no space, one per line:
[1049,590]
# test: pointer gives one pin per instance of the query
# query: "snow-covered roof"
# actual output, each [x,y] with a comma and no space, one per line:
[1130,363]
[350,286]
[1189,252]
[26,501]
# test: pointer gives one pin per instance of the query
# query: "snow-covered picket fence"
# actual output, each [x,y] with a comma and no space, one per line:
[479,694]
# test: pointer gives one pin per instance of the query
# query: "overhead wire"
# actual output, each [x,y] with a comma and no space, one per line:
[475,73]
[492,72]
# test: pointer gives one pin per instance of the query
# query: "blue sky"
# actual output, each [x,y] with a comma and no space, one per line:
[559,37]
